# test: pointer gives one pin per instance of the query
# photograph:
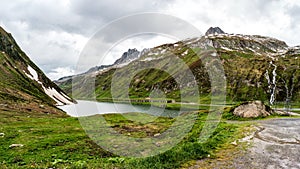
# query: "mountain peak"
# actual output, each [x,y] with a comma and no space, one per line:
[214,30]
[128,56]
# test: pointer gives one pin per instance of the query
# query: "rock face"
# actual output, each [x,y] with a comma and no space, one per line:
[128,56]
[253,109]
[214,30]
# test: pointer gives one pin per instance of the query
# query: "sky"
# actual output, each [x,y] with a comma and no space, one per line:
[54,32]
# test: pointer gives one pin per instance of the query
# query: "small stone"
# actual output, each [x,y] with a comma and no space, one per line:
[157,134]
[16,145]
[158,144]
[234,143]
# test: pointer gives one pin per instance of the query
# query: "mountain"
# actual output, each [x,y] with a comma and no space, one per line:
[256,68]
[23,86]
[126,58]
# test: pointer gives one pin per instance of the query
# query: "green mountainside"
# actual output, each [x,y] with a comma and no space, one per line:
[23,86]
[256,68]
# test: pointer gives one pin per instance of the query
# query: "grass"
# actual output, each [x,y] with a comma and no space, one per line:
[54,141]
[223,156]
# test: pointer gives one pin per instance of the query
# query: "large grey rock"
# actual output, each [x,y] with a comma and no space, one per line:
[253,109]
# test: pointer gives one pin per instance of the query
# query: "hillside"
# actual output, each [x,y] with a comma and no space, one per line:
[23,86]
[256,68]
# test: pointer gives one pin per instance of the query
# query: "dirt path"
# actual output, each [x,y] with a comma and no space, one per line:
[275,145]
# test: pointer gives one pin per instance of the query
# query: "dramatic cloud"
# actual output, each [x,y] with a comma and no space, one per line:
[54,32]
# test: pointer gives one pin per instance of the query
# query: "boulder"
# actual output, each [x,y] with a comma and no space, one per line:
[253,109]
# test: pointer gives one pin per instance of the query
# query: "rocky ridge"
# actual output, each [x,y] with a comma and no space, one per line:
[23,85]
[256,68]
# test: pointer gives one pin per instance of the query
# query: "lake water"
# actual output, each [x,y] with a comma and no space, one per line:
[89,108]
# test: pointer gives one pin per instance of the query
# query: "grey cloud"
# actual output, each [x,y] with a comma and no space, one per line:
[42,16]
[113,9]
[294,13]
[28,19]
[250,10]
[132,25]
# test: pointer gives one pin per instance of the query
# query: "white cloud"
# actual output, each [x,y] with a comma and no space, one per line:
[60,72]
[53,32]
[269,18]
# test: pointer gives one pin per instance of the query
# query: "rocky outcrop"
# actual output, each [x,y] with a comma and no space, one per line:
[214,30]
[128,56]
[253,109]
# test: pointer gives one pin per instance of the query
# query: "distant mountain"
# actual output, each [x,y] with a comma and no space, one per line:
[126,58]
[256,68]
[23,86]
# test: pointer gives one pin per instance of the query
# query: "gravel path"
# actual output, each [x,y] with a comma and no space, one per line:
[275,145]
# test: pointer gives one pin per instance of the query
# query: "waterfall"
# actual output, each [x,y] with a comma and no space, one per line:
[289,93]
[272,83]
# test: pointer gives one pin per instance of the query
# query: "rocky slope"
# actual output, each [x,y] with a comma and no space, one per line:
[256,68]
[214,30]
[126,58]
[23,86]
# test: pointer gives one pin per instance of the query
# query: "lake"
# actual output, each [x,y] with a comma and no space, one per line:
[89,108]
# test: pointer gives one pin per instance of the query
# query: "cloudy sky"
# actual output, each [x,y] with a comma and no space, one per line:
[54,32]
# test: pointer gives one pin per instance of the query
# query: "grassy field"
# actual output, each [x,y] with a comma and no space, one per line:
[55,141]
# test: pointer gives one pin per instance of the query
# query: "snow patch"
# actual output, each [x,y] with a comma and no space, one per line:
[152,53]
[122,64]
[148,59]
[33,73]
[60,98]
[163,51]
[214,54]
[151,58]
[226,48]
[185,53]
